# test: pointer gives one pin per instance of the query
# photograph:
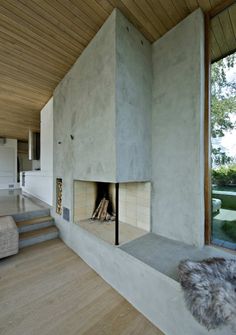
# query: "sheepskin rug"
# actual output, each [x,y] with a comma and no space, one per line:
[210,290]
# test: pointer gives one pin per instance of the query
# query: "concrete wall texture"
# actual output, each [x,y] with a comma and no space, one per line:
[122,98]
[109,143]
[177,132]
[114,111]
[104,101]
[84,107]
[133,103]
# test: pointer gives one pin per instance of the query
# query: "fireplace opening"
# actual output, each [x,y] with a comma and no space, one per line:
[125,214]
[104,209]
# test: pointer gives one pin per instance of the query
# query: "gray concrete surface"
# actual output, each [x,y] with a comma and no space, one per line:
[133,102]
[154,294]
[177,132]
[104,102]
[164,254]
[84,107]
[177,159]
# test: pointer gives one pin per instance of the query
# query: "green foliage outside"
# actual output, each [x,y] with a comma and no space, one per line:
[224,175]
[223,108]
[223,105]
[229,227]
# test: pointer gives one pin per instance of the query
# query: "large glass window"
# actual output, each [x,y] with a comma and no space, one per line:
[223,151]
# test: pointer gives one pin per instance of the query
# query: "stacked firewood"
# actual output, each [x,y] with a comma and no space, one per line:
[59,196]
[101,212]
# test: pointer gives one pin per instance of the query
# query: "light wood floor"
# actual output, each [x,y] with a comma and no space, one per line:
[48,290]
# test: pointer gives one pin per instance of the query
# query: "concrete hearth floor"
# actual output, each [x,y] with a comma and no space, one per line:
[14,202]
[106,231]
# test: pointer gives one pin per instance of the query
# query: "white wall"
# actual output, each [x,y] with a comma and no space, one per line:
[46,138]
[177,132]
[8,164]
[35,164]
[40,183]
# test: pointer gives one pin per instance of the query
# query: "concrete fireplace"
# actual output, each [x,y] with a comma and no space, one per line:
[133,209]
[102,126]
[130,113]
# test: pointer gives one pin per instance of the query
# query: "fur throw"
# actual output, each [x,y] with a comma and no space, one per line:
[210,290]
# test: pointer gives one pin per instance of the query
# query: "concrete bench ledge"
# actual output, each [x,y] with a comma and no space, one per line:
[155,292]
[164,254]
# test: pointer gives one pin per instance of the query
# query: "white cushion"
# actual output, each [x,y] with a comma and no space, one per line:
[216,204]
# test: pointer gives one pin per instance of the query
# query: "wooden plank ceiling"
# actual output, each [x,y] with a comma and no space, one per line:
[223,33]
[41,39]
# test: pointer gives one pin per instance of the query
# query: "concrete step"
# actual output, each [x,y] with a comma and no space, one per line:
[31,215]
[34,224]
[37,236]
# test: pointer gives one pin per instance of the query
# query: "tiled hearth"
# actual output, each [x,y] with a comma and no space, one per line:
[134,210]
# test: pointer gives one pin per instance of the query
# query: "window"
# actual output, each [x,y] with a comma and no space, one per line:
[223,151]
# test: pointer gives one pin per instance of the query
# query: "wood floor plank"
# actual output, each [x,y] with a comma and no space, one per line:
[47,289]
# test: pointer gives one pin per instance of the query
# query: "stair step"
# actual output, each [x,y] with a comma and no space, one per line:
[31,215]
[35,223]
[38,236]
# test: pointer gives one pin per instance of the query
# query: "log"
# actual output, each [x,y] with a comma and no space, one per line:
[95,213]
[104,210]
[108,216]
[101,213]
[101,209]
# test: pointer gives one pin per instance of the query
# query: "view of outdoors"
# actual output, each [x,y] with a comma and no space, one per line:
[223,141]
